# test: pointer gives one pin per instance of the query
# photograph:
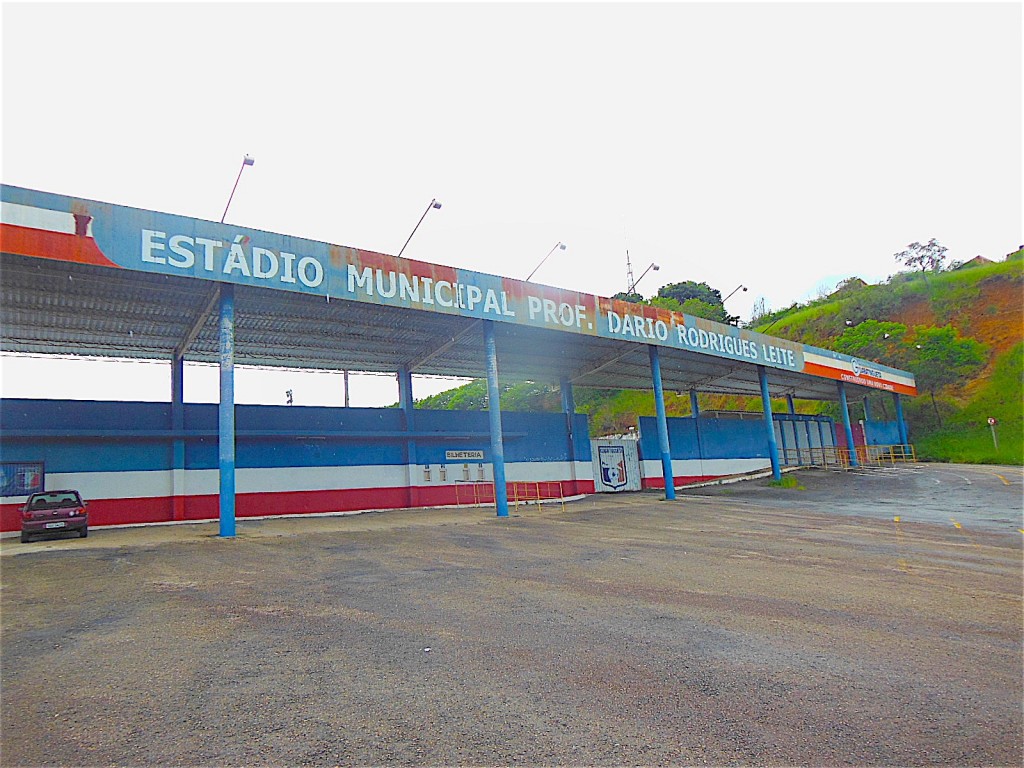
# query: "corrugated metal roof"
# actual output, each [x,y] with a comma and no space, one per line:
[59,307]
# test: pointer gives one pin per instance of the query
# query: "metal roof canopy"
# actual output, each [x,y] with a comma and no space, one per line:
[80,276]
[59,307]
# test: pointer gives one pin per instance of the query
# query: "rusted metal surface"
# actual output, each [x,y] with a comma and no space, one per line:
[87,277]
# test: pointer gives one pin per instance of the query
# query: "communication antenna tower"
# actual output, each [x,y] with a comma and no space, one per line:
[630,281]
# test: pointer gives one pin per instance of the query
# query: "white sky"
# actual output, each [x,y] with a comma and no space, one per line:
[784,147]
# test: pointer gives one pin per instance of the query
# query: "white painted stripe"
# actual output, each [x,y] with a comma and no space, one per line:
[204,482]
[538,472]
[39,218]
[701,467]
[290,479]
[113,485]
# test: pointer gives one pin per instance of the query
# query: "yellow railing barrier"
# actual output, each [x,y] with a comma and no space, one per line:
[472,492]
[536,491]
[840,458]
[519,492]
[885,455]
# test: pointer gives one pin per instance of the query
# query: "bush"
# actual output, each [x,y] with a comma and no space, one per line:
[787,481]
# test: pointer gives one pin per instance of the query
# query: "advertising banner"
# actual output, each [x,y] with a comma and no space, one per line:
[21,478]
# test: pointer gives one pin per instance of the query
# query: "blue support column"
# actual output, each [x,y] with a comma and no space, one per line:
[178,443]
[769,422]
[847,427]
[694,407]
[659,405]
[782,436]
[494,411]
[568,401]
[569,408]
[406,403]
[226,411]
[900,423]
[791,406]
[796,438]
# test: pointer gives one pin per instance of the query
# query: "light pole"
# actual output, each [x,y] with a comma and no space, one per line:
[558,245]
[653,266]
[734,291]
[433,204]
[247,160]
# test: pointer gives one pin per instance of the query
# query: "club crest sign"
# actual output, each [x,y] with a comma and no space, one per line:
[614,473]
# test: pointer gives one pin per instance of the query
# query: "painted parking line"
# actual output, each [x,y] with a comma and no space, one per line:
[959,527]
[1005,481]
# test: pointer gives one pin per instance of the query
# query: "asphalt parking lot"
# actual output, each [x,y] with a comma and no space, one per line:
[737,625]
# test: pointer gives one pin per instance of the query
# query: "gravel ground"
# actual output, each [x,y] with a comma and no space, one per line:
[745,629]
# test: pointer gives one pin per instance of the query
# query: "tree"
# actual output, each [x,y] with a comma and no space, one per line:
[940,356]
[471,396]
[635,298]
[697,299]
[662,303]
[515,396]
[758,312]
[716,312]
[691,290]
[923,257]
[849,285]
[882,342]
[698,307]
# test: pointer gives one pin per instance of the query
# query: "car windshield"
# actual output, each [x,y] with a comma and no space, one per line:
[55,500]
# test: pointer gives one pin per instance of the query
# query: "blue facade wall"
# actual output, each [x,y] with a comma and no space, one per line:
[137,436]
[705,438]
[702,438]
[881,433]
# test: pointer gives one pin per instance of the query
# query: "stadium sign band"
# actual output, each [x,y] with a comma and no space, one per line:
[51,226]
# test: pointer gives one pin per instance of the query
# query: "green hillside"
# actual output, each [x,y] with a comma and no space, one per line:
[978,307]
[960,330]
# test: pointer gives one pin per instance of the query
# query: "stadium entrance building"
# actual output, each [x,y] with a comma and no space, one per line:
[84,277]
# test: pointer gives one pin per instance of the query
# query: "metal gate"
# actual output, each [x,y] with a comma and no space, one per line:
[616,465]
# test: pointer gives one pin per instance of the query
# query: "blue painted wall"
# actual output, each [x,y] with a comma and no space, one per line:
[116,441]
[714,438]
[881,433]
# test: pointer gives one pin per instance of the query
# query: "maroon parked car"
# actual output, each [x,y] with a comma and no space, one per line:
[54,512]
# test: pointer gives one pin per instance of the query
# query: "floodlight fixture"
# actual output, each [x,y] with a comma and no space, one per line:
[433,205]
[738,287]
[655,267]
[247,160]
[558,246]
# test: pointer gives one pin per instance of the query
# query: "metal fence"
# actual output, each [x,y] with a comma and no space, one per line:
[519,492]
[832,457]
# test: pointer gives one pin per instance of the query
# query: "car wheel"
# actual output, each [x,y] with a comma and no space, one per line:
[24,537]
[83,533]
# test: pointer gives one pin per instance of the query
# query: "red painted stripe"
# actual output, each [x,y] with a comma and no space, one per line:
[659,482]
[26,241]
[162,509]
